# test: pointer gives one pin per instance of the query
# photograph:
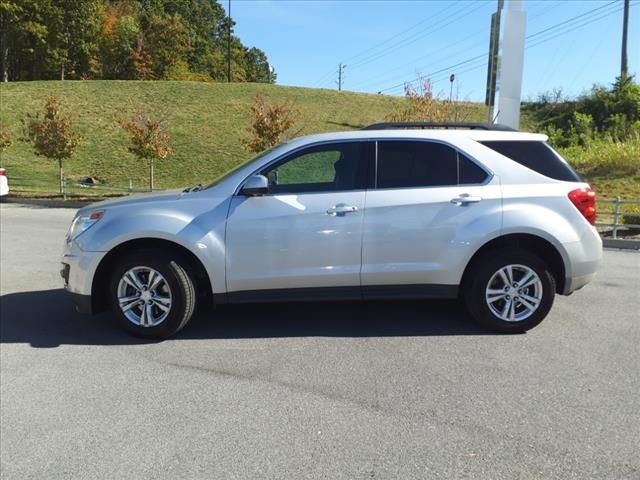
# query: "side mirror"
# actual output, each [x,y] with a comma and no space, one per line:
[255,186]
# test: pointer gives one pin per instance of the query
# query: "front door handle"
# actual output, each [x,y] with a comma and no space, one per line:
[341,210]
[465,199]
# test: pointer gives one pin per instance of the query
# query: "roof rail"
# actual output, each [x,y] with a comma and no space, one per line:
[445,125]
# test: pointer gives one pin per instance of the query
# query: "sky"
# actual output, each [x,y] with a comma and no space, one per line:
[385,43]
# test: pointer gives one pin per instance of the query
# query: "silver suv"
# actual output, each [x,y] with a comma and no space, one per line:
[490,215]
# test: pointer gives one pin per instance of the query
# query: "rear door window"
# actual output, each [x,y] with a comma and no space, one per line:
[411,164]
[538,156]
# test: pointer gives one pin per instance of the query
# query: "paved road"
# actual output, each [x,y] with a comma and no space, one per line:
[353,391]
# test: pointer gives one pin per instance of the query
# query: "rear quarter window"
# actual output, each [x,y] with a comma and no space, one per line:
[538,156]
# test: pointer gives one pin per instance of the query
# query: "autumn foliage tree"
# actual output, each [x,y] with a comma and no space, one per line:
[53,134]
[149,138]
[271,124]
[421,105]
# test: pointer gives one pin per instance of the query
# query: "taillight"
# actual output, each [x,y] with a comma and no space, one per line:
[3,172]
[585,201]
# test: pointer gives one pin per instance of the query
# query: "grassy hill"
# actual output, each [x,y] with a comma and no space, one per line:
[206,120]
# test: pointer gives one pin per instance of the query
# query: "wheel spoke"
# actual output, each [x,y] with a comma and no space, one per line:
[165,307]
[509,270]
[535,301]
[150,277]
[496,297]
[529,306]
[503,276]
[529,283]
[156,283]
[143,317]
[512,311]
[132,279]
[126,303]
[149,310]
[523,281]
[506,309]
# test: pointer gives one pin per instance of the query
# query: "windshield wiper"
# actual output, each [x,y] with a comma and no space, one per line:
[195,188]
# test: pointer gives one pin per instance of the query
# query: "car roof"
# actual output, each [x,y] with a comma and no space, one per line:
[445,135]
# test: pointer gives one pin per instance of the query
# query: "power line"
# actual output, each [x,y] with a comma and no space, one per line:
[403,32]
[421,35]
[330,73]
[436,62]
[540,41]
[482,31]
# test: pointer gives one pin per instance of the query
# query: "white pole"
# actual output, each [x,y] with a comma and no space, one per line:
[511,64]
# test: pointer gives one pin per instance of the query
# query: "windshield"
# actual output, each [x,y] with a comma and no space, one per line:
[238,167]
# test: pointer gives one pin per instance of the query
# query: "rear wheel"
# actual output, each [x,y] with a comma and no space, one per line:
[152,293]
[510,291]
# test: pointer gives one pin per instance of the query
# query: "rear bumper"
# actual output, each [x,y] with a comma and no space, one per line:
[584,257]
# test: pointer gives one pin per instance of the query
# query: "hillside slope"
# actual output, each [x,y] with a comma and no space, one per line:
[206,120]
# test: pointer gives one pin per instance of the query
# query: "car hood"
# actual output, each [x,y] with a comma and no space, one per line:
[136,200]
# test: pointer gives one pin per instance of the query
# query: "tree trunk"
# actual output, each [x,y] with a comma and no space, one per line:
[62,72]
[5,61]
[151,174]
[5,55]
[61,178]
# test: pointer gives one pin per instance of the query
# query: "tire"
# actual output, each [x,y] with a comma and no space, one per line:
[164,305]
[509,309]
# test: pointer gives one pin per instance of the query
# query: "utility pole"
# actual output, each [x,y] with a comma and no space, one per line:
[341,68]
[625,29]
[229,42]
[452,79]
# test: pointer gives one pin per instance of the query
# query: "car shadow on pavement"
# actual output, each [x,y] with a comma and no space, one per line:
[47,319]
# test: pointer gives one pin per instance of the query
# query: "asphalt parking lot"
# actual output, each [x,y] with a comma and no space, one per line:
[347,390]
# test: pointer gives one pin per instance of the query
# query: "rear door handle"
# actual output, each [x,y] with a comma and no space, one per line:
[341,210]
[465,199]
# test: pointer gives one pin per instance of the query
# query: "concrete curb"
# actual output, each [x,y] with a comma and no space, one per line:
[623,244]
[48,202]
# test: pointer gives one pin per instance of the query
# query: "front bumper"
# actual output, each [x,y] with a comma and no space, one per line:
[77,270]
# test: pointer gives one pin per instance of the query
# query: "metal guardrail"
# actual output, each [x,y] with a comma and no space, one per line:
[617,214]
[71,189]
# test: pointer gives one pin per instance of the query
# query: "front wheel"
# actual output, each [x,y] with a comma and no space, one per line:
[152,293]
[510,291]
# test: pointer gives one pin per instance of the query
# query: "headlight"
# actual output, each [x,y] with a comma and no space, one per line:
[83,222]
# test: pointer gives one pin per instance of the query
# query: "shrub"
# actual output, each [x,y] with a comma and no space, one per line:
[5,138]
[631,219]
[271,124]
[421,105]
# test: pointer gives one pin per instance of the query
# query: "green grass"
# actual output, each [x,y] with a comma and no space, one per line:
[207,122]
[612,168]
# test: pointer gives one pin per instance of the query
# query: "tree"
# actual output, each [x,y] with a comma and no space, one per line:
[53,136]
[167,41]
[149,139]
[271,124]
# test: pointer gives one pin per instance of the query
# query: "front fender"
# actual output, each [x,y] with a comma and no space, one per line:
[196,226]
